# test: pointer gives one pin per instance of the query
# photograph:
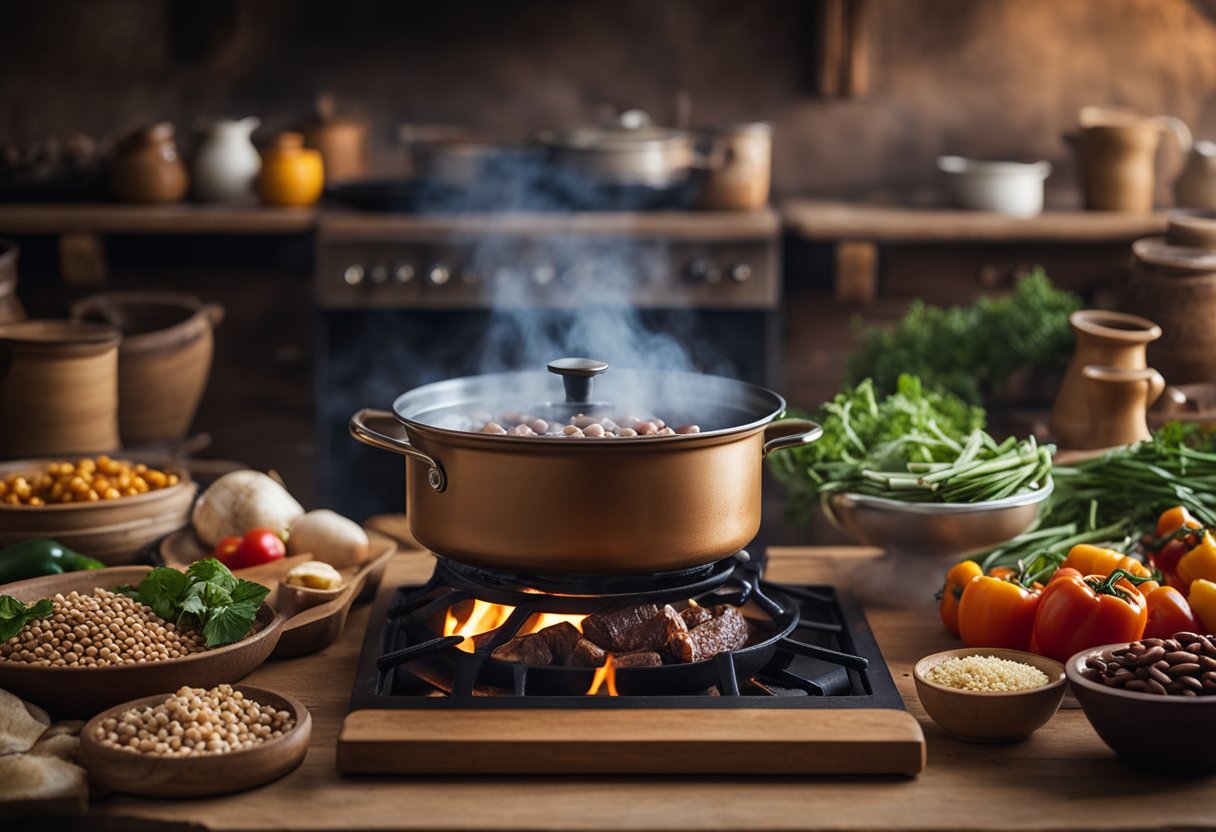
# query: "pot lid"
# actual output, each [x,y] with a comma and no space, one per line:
[579,386]
[615,138]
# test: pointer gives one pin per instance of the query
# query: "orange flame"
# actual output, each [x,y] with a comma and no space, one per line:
[482,616]
[605,675]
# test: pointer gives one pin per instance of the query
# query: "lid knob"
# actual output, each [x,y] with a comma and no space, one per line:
[577,374]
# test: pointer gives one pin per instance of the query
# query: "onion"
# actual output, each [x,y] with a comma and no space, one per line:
[328,536]
[240,502]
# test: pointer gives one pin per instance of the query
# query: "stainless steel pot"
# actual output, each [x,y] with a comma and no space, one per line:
[655,157]
[555,505]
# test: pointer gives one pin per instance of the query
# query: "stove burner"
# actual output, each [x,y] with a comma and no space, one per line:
[815,647]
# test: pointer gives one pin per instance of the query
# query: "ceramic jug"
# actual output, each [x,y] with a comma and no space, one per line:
[292,174]
[146,167]
[1119,400]
[1118,153]
[1195,187]
[226,164]
[1104,339]
[1174,282]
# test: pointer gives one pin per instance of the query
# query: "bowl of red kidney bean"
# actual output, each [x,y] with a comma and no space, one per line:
[1152,701]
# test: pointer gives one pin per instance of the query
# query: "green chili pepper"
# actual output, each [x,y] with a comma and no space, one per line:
[37,557]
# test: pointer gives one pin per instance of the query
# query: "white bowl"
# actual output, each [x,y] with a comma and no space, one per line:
[1011,188]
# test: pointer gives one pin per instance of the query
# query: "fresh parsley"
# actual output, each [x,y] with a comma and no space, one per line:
[206,596]
[15,614]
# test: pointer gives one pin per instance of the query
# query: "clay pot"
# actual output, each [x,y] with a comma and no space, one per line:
[164,361]
[739,167]
[1104,339]
[1117,152]
[147,168]
[292,175]
[340,141]
[1118,403]
[11,309]
[1174,283]
[227,164]
[1195,187]
[58,388]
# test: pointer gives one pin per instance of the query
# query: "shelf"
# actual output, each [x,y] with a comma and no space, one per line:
[825,220]
[182,218]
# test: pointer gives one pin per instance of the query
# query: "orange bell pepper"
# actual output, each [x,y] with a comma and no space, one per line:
[1203,602]
[957,579]
[1076,613]
[1199,563]
[1171,544]
[994,612]
[1178,517]
[1094,560]
[1168,613]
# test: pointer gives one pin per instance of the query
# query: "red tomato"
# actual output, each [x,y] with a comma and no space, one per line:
[228,552]
[261,546]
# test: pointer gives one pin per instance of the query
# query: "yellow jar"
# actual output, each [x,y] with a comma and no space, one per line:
[292,175]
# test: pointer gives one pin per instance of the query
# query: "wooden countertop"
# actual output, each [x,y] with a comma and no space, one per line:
[829,220]
[1063,777]
[182,218]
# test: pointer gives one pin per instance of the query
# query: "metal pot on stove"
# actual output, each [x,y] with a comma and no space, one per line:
[628,153]
[556,504]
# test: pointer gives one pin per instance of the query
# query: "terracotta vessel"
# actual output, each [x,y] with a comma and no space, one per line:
[147,167]
[1118,150]
[164,361]
[739,167]
[1118,403]
[1195,187]
[292,175]
[226,164]
[340,140]
[1174,282]
[58,388]
[1104,339]
[11,309]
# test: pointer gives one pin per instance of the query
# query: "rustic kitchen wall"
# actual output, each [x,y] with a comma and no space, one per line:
[986,77]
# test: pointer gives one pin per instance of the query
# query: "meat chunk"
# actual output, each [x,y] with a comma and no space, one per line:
[530,649]
[682,648]
[644,659]
[561,639]
[694,616]
[622,630]
[727,630]
[586,654]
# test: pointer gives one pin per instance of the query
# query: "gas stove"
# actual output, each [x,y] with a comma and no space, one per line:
[808,693]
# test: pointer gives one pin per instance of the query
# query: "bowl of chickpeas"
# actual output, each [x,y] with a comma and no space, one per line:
[104,507]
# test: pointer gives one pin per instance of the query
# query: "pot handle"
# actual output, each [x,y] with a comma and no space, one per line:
[360,429]
[790,433]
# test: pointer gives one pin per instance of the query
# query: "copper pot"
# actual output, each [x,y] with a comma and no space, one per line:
[553,505]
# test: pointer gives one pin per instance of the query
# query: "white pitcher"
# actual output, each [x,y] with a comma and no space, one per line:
[226,163]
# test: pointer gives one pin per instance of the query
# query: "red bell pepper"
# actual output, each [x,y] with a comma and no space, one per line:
[1077,612]
[1168,613]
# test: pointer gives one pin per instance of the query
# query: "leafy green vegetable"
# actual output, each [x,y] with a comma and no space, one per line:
[972,351]
[1115,499]
[862,431]
[206,596]
[15,614]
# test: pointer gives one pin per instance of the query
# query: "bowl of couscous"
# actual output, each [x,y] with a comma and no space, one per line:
[988,694]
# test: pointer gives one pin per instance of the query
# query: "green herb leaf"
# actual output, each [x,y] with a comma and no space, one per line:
[208,596]
[231,623]
[15,614]
[212,571]
[162,589]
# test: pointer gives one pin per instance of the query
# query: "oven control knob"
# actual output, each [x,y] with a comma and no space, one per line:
[353,275]
[543,275]
[378,274]
[703,270]
[438,274]
[740,272]
[403,273]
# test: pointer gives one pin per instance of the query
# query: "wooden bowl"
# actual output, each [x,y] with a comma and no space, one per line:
[315,621]
[1171,734]
[197,776]
[113,531]
[83,691]
[990,716]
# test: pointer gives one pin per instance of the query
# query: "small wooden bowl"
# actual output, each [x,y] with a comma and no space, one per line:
[197,776]
[113,531]
[990,716]
[1170,734]
[314,623]
[83,691]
